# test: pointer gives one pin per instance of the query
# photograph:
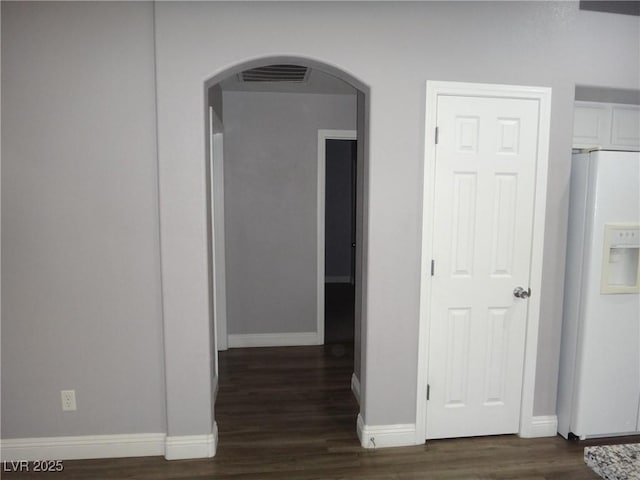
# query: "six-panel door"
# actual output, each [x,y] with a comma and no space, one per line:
[483,222]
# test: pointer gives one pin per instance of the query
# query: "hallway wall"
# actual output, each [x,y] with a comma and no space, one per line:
[271,165]
[394,49]
[80,247]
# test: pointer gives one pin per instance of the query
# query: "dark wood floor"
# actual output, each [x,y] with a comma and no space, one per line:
[288,413]
[339,303]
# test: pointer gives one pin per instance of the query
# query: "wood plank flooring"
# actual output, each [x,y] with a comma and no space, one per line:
[339,308]
[288,413]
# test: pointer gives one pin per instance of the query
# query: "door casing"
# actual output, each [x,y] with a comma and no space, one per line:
[543,96]
[219,276]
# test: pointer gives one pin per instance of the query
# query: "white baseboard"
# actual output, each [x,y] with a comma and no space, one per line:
[337,279]
[380,436]
[82,447]
[273,339]
[355,386]
[181,447]
[109,446]
[541,426]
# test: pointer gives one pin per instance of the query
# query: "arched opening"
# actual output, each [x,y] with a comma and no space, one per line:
[270,124]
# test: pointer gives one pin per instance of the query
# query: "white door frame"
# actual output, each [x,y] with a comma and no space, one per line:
[218,284]
[543,96]
[323,136]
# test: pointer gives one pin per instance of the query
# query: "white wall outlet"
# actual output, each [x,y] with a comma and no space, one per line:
[68,400]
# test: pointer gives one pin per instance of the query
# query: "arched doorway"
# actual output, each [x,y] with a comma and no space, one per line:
[227,242]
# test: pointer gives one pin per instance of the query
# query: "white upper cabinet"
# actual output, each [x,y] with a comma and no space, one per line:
[609,126]
[591,124]
[625,126]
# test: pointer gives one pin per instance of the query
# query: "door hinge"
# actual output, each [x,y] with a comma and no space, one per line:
[436,135]
[433,267]
[428,390]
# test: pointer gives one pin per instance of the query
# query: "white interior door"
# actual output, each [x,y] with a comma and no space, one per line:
[482,241]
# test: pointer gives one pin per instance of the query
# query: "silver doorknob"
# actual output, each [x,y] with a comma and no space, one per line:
[520,292]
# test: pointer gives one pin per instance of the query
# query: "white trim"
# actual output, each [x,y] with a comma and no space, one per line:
[218,283]
[543,96]
[83,447]
[379,436]
[337,279]
[273,339]
[540,426]
[323,136]
[355,386]
[110,446]
[181,447]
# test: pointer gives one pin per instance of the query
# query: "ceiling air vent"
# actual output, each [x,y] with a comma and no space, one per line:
[275,73]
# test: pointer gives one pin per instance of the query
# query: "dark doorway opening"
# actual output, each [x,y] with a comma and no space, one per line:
[340,238]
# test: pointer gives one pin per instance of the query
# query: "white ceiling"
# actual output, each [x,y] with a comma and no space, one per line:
[317,82]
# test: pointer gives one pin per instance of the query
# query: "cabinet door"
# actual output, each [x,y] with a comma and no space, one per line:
[591,124]
[625,126]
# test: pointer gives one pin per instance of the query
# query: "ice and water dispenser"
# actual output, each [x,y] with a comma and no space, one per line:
[621,259]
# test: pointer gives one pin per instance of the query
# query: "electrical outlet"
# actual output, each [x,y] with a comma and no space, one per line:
[68,400]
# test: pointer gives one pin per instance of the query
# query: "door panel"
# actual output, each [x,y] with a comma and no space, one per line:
[484,193]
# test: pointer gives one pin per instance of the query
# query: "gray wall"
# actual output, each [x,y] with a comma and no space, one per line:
[362,205]
[214,96]
[80,282]
[80,251]
[215,255]
[0,210]
[612,95]
[339,203]
[394,52]
[271,164]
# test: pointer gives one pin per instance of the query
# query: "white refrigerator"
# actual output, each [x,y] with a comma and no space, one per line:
[599,378]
